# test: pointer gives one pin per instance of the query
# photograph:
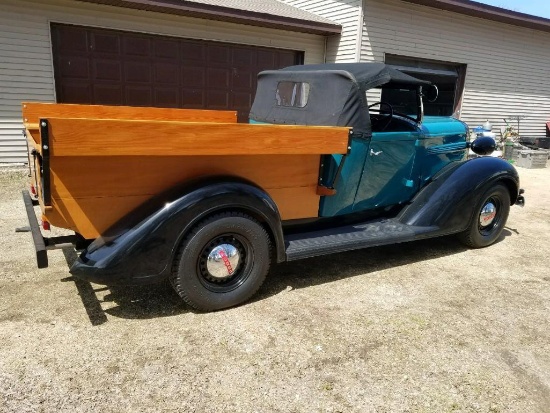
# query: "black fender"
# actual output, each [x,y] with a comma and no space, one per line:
[140,248]
[446,205]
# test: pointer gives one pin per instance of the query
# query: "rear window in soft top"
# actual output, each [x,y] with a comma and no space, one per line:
[292,94]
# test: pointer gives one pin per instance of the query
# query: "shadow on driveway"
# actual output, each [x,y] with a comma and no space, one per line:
[159,300]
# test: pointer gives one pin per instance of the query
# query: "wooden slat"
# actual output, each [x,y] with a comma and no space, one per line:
[86,137]
[296,202]
[33,111]
[92,216]
[33,138]
[110,176]
[89,194]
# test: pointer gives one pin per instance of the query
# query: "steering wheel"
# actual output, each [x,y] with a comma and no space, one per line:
[384,119]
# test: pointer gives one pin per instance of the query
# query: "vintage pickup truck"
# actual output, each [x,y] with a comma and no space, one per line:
[194,197]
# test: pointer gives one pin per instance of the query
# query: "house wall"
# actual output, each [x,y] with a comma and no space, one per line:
[26,72]
[344,47]
[508,67]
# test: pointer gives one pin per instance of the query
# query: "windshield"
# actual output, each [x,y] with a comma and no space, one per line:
[402,101]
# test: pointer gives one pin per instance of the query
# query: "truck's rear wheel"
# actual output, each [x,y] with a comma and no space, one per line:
[222,262]
[489,219]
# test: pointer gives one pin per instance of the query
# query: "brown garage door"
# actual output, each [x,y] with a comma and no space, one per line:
[109,67]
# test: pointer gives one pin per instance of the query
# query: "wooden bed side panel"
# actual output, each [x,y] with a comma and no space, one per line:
[33,138]
[89,194]
[97,137]
[34,111]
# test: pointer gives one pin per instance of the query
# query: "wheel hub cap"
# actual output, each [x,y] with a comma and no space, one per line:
[487,214]
[223,261]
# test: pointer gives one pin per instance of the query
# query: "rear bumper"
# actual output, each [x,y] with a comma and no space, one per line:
[43,244]
[37,238]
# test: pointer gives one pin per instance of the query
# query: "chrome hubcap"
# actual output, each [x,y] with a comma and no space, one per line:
[222,261]
[488,214]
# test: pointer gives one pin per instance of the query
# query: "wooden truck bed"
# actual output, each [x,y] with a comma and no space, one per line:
[101,162]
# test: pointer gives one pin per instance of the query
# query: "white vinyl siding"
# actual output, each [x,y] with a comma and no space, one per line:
[344,47]
[508,67]
[25,74]
[26,71]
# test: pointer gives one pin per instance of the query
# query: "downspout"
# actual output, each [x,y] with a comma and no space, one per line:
[325,51]
[360,23]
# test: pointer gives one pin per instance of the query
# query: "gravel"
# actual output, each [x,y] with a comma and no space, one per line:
[421,327]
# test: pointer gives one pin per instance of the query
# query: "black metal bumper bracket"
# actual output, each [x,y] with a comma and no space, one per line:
[43,244]
[45,162]
[38,239]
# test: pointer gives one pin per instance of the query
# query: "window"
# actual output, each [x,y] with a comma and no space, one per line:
[448,77]
[292,94]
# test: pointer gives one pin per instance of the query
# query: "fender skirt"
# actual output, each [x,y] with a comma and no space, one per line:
[446,205]
[141,247]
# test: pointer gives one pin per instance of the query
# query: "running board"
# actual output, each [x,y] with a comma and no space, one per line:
[350,237]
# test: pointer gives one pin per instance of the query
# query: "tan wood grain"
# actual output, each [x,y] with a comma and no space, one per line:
[34,111]
[133,175]
[90,194]
[91,217]
[33,139]
[97,137]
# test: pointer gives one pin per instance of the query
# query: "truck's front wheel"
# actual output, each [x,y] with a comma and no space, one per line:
[222,262]
[489,219]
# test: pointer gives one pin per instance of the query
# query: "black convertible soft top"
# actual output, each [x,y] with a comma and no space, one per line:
[331,94]
[367,75]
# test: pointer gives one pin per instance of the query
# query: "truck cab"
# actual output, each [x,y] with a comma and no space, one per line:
[394,150]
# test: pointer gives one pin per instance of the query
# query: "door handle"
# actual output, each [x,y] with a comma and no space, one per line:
[373,153]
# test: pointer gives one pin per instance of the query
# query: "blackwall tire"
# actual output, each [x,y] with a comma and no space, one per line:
[489,218]
[222,262]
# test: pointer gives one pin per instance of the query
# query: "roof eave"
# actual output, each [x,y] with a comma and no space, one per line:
[475,9]
[226,14]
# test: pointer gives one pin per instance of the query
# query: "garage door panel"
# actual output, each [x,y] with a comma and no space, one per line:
[137,46]
[71,39]
[139,95]
[166,49]
[194,76]
[77,93]
[106,43]
[193,98]
[166,97]
[112,67]
[217,78]
[243,80]
[218,55]
[241,101]
[137,72]
[107,94]
[286,59]
[75,67]
[217,100]
[243,58]
[266,59]
[107,70]
[193,51]
[166,73]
